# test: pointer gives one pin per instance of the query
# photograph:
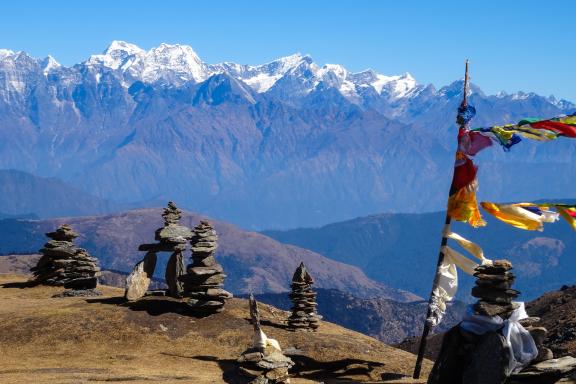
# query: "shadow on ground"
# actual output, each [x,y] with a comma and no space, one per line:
[23,284]
[329,372]
[268,323]
[154,306]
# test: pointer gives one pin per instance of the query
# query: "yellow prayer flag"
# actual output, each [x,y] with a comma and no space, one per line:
[463,206]
[515,215]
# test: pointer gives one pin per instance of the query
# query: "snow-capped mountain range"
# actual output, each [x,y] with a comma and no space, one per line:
[280,144]
[177,64]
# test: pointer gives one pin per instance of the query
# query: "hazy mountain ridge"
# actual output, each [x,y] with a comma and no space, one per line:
[24,195]
[401,250]
[284,144]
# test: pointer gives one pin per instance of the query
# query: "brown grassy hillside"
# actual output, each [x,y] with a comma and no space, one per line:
[77,340]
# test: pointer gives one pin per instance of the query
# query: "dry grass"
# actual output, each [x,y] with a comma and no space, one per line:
[79,340]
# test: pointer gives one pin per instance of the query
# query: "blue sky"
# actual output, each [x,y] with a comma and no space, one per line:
[513,45]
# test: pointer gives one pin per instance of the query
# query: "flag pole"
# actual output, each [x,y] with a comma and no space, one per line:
[447,222]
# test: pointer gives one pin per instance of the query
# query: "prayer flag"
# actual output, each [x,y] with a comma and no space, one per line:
[568,213]
[526,216]
[542,130]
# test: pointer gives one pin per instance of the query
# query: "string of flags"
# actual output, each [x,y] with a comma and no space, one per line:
[541,130]
[463,204]
[530,216]
[462,201]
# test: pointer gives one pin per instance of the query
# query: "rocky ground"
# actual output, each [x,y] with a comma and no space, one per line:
[557,309]
[74,340]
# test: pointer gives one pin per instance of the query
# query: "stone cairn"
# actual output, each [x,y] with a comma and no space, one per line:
[468,358]
[304,316]
[494,290]
[264,362]
[172,237]
[64,264]
[205,277]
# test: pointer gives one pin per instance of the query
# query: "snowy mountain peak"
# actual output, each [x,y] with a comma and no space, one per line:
[292,61]
[118,55]
[174,64]
[5,53]
[395,86]
[337,69]
[117,47]
[49,64]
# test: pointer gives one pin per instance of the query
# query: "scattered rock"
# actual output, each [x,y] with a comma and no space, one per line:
[79,293]
[562,370]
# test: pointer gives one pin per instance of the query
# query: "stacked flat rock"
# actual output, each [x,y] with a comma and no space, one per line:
[172,237]
[172,232]
[204,278]
[263,366]
[304,315]
[64,264]
[494,289]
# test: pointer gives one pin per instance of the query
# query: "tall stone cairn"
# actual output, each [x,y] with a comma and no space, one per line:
[205,278]
[64,264]
[494,289]
[304,315]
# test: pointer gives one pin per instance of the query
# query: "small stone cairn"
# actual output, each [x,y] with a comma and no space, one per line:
[205,277]
[304,316]
[64,264]
[264,362]
[469,358]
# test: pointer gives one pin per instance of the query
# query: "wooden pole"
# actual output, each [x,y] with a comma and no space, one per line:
[447,222]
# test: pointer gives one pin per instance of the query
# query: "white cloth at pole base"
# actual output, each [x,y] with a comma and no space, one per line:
[521,344]
[447,285]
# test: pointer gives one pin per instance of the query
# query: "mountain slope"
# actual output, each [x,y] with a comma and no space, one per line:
[102,339]
[283,144]
[46,197]
[253,262]
[386,320]
[396,248]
